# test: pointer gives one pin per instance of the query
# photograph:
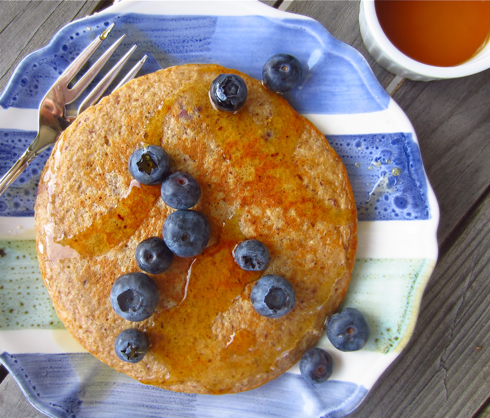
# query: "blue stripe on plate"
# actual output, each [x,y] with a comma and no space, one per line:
[79,385]
[385,171]
[337,78]
[386,174]
[19,199]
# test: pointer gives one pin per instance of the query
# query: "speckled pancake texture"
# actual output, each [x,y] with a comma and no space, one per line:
[265,172]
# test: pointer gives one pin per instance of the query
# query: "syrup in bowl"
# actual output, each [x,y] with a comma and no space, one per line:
[439,33]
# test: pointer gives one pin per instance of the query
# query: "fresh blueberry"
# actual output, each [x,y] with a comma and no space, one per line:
[186,232]
[228,92]
[131,345]
[281,73]
[149,165]
[316,365]
[134,296]
[347,330]
[273,296]
[153,255]
[252,255]
[181,191]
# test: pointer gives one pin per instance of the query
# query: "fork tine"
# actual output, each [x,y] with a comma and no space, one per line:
[84,56]
[72,94]
[100,88]
[131,74]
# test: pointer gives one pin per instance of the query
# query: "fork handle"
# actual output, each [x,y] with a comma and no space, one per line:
[47,135]
[16,170]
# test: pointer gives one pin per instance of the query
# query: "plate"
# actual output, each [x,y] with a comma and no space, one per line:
[397,210]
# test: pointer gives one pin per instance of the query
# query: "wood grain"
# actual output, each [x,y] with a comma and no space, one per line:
[26,26]
[13,403]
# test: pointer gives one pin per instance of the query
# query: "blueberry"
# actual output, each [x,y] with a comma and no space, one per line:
[281,73]
[316,365]
[131,345]
[149,165]
[153,255]
[186,232]
[347,330]
[273,296]
[181,191]
[252,255]
[134,296]
[228,92]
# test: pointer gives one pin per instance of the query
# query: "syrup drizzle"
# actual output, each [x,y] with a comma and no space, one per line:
[116,226]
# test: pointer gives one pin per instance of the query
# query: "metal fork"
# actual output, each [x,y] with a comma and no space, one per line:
[53,118]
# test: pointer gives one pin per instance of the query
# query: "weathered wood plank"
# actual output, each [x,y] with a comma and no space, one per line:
[24,28]
[445,369]
[13,403]
[451,117]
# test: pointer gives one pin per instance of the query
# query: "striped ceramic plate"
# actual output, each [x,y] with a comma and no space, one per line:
[397,210]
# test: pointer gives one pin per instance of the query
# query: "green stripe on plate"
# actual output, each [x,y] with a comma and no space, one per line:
[24,301]
[388,292]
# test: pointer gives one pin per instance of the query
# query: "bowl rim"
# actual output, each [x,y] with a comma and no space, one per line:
[479,62]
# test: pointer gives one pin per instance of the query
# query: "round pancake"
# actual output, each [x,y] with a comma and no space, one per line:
[265,172]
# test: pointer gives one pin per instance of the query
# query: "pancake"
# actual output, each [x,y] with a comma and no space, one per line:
[266,173]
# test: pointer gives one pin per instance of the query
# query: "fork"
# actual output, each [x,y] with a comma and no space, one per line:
[53,117]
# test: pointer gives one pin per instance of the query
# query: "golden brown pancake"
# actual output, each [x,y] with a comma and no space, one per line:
[265,172]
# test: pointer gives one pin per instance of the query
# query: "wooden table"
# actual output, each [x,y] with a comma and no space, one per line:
[445,369]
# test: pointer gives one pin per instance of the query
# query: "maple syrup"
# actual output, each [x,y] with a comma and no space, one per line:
[116,226]
[439,33]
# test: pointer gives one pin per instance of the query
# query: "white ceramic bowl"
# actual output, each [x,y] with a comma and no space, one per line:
[390,58]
